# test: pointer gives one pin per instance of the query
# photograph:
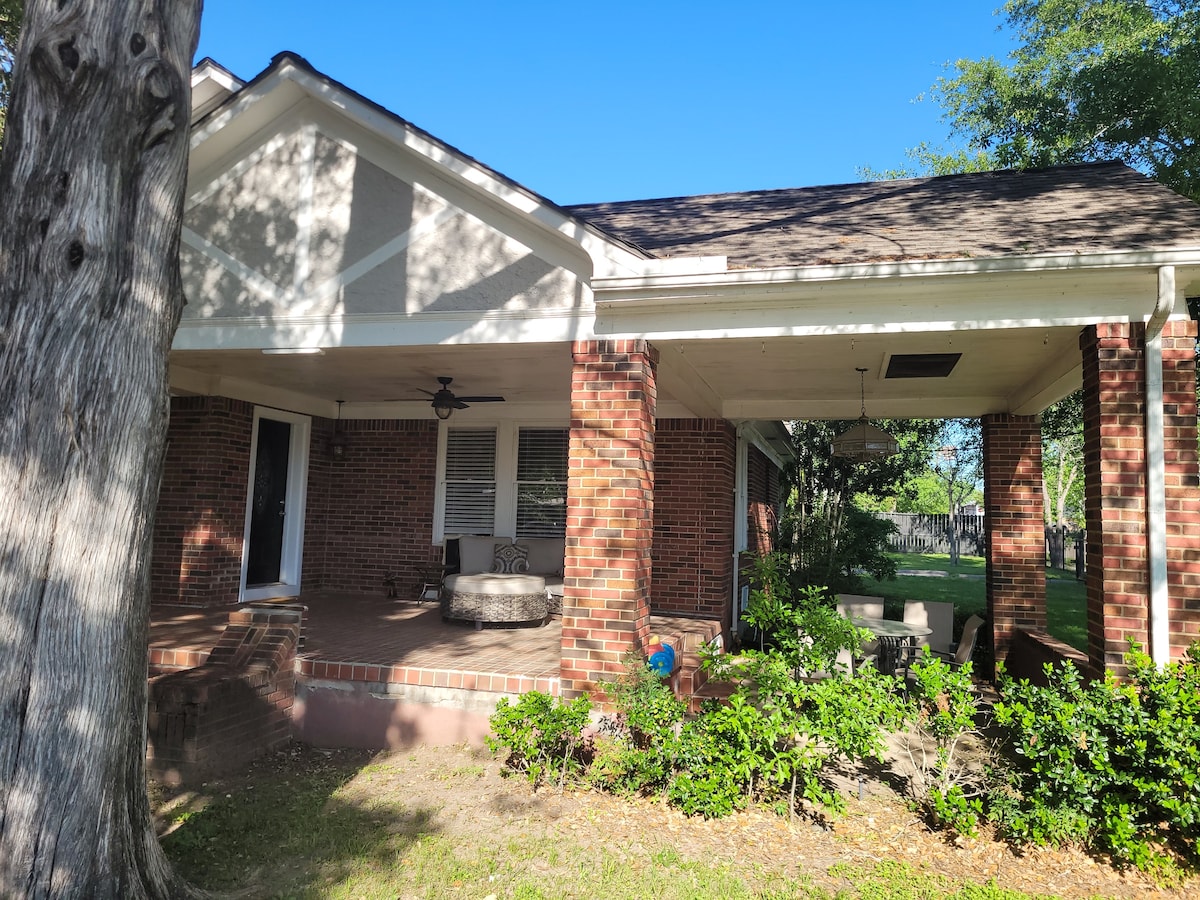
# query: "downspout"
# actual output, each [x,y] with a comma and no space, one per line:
[741,513]
[1156,499]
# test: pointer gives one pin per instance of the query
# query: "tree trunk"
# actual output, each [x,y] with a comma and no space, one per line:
[92,179]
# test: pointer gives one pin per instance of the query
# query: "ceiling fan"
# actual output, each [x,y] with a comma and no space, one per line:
[444,401]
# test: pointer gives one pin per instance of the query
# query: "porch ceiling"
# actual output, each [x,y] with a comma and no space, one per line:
[789,377]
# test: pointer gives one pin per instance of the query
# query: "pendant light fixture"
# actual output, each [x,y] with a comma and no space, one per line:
[337,444]
[862,441]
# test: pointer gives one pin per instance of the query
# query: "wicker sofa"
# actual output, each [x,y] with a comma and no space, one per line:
[501,580]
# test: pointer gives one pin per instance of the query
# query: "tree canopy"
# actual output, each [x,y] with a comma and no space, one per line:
[1090,80]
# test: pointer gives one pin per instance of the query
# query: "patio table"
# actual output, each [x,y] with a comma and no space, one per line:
[894,636]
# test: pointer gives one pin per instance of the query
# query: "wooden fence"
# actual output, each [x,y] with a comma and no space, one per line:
[917,533]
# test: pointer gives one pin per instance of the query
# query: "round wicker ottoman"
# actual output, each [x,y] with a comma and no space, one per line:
[495,598]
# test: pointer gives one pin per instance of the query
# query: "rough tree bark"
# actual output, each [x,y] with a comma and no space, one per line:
[92,180]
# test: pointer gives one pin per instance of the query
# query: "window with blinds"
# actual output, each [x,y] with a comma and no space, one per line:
[541,483]
[470,481]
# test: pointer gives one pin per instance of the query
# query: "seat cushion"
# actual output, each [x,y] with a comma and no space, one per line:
[545,554]
[488,583]
[477,554]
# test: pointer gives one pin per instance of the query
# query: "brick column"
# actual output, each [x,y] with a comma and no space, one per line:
[1182,482]
[1115,486]
[610,511]
[1015,523]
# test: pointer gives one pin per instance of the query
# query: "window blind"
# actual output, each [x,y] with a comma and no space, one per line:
[470,481]
[541,482]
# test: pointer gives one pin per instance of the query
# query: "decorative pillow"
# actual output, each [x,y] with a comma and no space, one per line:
[511,559]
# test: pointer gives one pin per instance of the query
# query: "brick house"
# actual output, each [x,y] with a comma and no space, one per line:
[338,261]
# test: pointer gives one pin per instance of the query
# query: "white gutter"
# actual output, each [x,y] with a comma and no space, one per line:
[1156,501]
[741,512]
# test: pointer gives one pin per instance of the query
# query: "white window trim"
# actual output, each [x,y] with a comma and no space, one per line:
[291,559]
[507,440]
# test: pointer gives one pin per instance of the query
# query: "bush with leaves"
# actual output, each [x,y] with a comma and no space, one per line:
[799,622]
[772,741]
[638,742]
[541,735]
[940,717]
[1113,765]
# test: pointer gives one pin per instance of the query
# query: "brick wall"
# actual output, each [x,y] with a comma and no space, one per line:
[1115,482]
[610,515]
[1014,517]
[201,512]
[236,706]
[694,461]
[370,513]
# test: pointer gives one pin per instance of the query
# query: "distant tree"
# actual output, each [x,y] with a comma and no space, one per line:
[10,26]
[1089,80]
[929,496]
[92,178]
[827,535]
[958,463]
[1062,460]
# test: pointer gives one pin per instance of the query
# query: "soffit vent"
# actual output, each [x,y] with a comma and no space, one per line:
[921,365]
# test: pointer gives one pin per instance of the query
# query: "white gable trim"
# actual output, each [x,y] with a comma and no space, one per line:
[277,92]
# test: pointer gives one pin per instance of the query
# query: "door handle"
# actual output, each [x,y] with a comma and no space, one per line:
[281,508]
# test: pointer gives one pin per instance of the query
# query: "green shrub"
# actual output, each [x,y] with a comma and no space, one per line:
[1113,765]
[640,738]
[772,740]
[541,735]
[940,717]
[799,622]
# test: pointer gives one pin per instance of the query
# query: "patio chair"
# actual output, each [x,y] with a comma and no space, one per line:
[966,644]
[864,606]
[859,605]
[930,614]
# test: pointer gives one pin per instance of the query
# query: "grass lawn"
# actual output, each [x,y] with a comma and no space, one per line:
[443,823]
[963,585]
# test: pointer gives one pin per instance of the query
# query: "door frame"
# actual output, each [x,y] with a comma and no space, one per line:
[291,557]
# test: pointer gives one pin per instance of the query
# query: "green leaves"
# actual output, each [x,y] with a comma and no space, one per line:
[541,735]
[1090,80]
[1111,764]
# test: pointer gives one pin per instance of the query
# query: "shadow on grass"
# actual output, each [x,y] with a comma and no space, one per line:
[280,828]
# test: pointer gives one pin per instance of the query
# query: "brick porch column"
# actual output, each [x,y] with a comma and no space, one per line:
[610,514]
[1015,525]
[1115,488]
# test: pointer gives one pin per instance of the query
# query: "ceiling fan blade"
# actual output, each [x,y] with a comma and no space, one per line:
[481,399]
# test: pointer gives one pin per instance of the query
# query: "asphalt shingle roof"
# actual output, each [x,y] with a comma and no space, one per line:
[1066,209]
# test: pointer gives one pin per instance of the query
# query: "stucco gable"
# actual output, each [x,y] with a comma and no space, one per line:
[310,223]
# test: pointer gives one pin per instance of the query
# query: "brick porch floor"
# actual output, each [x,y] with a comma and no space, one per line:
[376,640]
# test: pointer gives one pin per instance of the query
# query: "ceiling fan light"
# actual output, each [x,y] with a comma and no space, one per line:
[442,408]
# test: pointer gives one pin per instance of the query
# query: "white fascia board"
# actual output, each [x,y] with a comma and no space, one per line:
[386,330]
[672,288]
[940,296]
[607,256]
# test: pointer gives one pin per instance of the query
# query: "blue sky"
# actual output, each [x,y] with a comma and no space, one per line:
[621,100]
